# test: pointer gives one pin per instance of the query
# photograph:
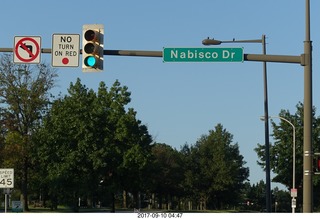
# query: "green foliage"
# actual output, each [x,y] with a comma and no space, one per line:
[24,93]
[90,140]
[216,171]
[168,171]
[24,97]
[281,151]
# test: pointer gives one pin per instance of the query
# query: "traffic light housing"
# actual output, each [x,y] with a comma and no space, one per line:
[318,164]
[92,47]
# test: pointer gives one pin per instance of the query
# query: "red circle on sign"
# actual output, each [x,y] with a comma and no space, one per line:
[65,61]
[32,56]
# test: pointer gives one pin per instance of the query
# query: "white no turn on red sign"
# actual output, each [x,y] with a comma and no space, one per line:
[65,50]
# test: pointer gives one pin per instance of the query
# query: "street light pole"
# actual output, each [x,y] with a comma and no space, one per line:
[266,128]
[266,115]
[293,157]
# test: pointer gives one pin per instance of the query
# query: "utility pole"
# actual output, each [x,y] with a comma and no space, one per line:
[307,129]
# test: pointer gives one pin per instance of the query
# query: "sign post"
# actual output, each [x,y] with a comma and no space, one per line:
[65,50]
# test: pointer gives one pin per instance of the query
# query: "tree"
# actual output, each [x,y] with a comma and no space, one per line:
[218,171]
[66,141]
[256,197]
[134,158]
[282,201]
[282,149]
[24,97]
[167,174]
[88,142]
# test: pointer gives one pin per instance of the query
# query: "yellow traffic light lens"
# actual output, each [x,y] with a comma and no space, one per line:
[89,48]
[90,61]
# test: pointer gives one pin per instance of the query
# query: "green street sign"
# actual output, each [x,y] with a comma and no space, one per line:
[203,54]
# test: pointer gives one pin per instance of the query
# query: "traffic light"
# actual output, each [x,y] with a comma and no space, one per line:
[317,163]
[92,47]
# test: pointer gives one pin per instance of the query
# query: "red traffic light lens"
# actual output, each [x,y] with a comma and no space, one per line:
[90,35]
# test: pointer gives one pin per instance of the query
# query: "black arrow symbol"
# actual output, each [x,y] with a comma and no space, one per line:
[28,48]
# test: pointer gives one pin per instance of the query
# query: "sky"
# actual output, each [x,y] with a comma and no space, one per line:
[179,102]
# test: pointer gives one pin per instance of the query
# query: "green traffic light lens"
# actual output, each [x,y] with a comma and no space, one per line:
[90,61]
